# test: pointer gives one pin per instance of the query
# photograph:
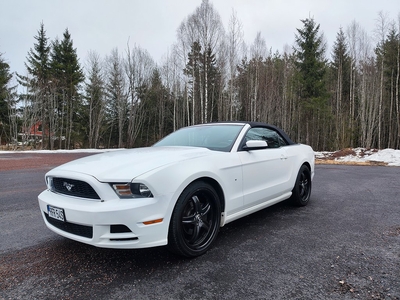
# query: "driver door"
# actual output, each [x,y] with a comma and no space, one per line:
[266,171]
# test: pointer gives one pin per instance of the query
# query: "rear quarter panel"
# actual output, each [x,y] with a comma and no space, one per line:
[298,155]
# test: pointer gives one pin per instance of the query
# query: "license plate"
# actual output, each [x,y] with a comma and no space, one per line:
[56,213]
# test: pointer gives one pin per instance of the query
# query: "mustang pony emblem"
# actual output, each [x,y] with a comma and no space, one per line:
[68,186]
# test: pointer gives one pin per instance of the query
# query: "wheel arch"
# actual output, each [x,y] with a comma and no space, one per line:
[302,188]
[217,187]
[207,179]
[307,164]
[176,241]
[310,170]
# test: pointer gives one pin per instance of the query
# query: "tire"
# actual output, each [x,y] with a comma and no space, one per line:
[195,220]
[302,188]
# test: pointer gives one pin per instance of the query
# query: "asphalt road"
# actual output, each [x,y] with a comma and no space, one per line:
[344,245]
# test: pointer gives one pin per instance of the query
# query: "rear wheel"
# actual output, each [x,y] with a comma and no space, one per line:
[195,220]
[302,188]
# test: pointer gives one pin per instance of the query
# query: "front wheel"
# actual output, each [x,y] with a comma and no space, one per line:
[302,188]
[195,220]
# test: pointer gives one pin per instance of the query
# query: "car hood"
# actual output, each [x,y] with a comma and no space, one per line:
[124,165]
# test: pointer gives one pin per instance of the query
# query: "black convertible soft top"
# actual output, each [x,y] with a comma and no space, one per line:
[280,131]
[265,125]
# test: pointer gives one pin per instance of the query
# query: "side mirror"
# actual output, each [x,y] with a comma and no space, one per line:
[255,144]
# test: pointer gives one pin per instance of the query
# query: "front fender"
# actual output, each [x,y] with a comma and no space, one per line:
[225,169]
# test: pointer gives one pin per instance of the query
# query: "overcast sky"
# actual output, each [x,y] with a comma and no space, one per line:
[102,25]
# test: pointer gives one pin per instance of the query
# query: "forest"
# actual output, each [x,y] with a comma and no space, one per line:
[348,97]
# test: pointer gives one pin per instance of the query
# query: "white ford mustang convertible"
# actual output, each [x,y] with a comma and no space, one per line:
[178,192]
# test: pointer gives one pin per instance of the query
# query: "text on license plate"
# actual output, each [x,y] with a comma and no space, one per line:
[56,213]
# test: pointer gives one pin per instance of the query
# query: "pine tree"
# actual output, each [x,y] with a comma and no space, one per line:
[340,78]
[240,110]
[213,87]
[5,77]
[68,76]
[38,65]
[37,82]
[193,71]
[388,56]
[202,67]
[158,111]
[311,67]
[6,95]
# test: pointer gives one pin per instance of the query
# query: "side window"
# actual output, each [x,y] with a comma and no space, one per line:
[273,139]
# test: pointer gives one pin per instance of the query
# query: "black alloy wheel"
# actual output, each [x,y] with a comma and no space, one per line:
[302,189]
[195,220]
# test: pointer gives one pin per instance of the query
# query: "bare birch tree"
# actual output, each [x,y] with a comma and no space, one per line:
[235,46]
[116,96]
[363,87]
[139,68]
[210,32]
[187,36]
[258,51]
[204,27]
[95,102]
[352,36]
[381,31]
[398,82]
[172,78]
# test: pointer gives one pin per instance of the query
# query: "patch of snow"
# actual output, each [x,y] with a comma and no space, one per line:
[322,154]
[361,155]
[389,156]
[350,158]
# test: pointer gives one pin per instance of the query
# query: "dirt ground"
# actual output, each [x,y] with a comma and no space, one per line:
[21,160]
[349,163]
[330,158]
[18,161]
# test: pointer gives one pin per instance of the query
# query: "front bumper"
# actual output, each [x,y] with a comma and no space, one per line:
[99,223]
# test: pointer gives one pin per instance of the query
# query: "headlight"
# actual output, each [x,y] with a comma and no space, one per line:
[132,190]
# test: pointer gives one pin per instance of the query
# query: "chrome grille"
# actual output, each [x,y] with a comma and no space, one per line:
[74,188]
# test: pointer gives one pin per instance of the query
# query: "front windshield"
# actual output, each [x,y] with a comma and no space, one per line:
[219,137]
